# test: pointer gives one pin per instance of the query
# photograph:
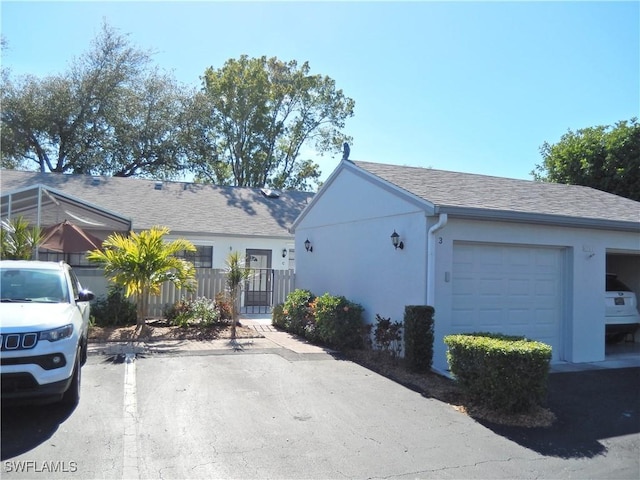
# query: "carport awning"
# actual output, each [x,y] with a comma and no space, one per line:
[46,206]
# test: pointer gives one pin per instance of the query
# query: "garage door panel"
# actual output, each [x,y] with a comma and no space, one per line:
[509,289]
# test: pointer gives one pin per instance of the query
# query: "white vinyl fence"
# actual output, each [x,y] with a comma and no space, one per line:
[262,291]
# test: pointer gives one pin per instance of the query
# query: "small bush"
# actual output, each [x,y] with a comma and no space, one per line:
[338,322]
[387,336]
[278,317]
[114,309]
[505,373]
[418,337]
[185,312]
[297,311]
[223,306]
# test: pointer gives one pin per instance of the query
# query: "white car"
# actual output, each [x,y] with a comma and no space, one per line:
[621,303]
[44,321]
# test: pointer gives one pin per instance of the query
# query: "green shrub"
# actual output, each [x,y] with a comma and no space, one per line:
[278,317]
[502,372]
[198,311]
[338,321]
[387,336]
[114,309]
[418,337]
[297,311]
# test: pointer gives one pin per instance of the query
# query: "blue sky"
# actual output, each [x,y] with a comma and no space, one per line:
[465,86]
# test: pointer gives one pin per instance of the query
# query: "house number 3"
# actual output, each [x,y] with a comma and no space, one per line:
[439,239]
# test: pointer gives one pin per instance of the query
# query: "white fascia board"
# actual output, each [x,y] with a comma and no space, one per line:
[537,218]
[389,187]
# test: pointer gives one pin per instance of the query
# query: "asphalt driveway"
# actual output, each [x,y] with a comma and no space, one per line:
[283,409]
[590,406]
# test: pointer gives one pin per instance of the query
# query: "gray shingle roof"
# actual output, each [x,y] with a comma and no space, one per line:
[183,207]
[465,193]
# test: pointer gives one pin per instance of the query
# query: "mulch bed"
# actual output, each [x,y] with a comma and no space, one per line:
[444,389]
[159,329]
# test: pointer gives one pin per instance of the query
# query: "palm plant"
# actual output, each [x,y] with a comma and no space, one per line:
[18,240]
[236,275]
[142,262]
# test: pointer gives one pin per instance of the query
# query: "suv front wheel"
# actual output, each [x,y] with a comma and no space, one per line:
[72,396]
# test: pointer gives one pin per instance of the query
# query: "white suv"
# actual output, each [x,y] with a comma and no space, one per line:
[44,321]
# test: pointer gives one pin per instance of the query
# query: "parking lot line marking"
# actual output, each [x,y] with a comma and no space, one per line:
[130,415]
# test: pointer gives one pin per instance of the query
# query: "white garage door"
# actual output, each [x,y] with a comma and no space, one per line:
[509,289]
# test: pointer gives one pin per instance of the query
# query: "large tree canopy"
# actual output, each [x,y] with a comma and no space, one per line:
[259,115]
[109,114]
[602,157]
[255,122]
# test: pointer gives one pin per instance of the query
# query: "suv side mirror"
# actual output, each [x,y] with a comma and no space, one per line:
[85,296]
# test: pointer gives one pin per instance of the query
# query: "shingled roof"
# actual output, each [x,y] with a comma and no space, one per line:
[181,206]
[482,196]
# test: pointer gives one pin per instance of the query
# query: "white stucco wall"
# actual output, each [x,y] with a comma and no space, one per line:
[349,227]
[585,256]
[223,245]
[350,231]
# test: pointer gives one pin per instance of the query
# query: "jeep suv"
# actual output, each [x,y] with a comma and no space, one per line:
[44,320]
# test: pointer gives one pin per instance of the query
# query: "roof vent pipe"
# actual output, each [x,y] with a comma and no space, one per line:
[431,258]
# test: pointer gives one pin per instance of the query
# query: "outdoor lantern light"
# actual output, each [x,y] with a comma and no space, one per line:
[307,246]
[284,252]
[395,239]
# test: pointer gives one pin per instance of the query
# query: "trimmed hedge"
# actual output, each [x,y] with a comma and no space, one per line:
[505,373]
[418,337]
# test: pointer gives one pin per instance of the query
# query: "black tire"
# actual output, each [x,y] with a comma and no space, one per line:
[84,349]
[72,396]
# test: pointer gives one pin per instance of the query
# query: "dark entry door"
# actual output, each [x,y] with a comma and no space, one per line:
[259,285]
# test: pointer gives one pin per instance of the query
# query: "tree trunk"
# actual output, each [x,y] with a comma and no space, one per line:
[141,310]
[234,312]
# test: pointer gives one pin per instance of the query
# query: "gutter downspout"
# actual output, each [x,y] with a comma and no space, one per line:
[431,257]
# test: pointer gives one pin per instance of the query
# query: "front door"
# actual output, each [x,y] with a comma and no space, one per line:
[258,289]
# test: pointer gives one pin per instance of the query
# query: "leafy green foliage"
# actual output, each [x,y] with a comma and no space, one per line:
[114,113]
[142,262]
[297,312]
[18,240]
[338,321]
[418,337]
[196,311]
[110,113]
[330,320]
[505,373]
[114,309]
[262,111]
[602,157]
[278,317]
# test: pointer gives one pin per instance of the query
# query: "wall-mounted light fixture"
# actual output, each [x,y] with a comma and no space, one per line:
[284,252]
[307,245]
[395,240]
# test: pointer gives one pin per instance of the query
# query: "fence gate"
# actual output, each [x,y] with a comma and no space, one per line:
[258,290]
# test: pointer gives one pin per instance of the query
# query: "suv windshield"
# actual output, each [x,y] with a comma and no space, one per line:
[615,285]
[32,285]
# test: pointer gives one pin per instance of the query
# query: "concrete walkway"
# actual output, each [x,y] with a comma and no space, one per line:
[267,338]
